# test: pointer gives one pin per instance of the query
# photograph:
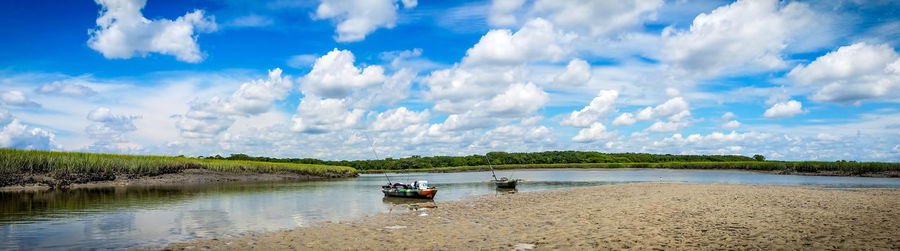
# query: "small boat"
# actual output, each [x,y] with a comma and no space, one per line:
[418,189]
[504,182]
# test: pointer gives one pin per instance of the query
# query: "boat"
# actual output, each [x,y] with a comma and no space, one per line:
[502,182]
[418,189]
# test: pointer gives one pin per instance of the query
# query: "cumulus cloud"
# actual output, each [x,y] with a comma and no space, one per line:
[357,18]
[668,126]
[537,40]
[593,133]
[519,99]
[109,131]
[852,74]
[728,115]
[66,89]
[503,12]
[399,118]
[256,96]
[600,106]
[17,98]
[578,72]
[745,36]
[206,119]
[317,115]
[674,109]
[731,124]
[625,119]
[784,110]
[335,76]
[596,18]
[123,32]
[14,134]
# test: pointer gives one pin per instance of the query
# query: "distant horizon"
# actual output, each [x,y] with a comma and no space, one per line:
[331,80]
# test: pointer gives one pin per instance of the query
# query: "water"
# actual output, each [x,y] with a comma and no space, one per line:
[153,216]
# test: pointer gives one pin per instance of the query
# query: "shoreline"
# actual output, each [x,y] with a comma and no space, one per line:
[636,215]
[184,177]
[885,174]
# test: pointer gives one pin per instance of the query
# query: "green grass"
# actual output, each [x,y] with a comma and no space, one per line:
[73,167]
[838,168]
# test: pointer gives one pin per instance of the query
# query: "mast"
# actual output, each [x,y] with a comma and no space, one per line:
[376,158]
[489,165]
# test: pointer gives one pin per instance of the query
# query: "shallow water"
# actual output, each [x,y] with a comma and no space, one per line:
[152,216]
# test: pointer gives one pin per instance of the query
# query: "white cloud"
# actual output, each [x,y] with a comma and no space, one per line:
[537,40]
[593,133]
[358,18]
[316,115]
[596,18]
[109,131]
[17,98]
[503,12]
[14,134]
[209,118]
[123,32]
[731,124]
[625,119]
[256,96]
[669,126]
[66,88]
[458,89]
[578,72]
[852,74]
[518,100]
[600,106]
[728,115]
[334,76]
[784,110]
[742,36]
[674,109]
[17,135]
[399,118]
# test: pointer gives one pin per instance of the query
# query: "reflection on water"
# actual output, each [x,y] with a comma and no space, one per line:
[123,217]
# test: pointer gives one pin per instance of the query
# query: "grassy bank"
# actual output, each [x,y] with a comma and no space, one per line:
[785,167]
[19,167]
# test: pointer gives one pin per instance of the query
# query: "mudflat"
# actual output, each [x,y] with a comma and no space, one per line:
[637,215]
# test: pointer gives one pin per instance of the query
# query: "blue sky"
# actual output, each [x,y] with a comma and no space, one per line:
[792,80]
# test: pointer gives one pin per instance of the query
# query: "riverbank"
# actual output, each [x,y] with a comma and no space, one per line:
[184,177]
[858,169]
[28,170]
[637,215]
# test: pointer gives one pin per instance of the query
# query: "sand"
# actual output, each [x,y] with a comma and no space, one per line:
[639,215]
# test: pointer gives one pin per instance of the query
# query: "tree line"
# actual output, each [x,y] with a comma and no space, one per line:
[501,158]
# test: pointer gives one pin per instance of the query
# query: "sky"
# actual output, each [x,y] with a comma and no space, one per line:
[366,79]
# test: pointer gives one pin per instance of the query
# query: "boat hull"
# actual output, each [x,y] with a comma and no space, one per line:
[506,183]
[410,193]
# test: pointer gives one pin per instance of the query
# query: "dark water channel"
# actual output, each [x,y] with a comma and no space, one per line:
[124,217]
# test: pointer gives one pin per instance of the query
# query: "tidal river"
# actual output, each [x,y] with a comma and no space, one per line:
[124,217]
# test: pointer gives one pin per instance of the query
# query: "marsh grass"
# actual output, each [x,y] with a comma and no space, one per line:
[26,166]
[787,167]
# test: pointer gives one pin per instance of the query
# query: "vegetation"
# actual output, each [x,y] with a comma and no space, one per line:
[63,168]
[576,159]
[501,158]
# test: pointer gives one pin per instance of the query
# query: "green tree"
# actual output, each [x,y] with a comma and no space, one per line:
[759,157]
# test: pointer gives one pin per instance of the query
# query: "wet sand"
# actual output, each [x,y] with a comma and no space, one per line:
[638,215]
